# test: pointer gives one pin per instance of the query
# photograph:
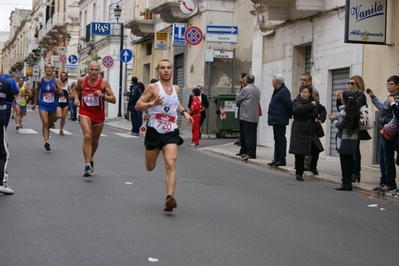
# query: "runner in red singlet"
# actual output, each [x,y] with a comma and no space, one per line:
[94,92]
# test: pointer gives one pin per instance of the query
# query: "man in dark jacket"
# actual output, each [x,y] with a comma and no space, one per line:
[279,113]
[205,103]
[135,116]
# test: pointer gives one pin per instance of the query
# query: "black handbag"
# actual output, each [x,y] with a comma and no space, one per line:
[319,129]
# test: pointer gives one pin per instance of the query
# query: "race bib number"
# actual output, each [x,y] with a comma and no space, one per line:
[91,100]
[48,97]
[19,98]
[62,99]
[164,122]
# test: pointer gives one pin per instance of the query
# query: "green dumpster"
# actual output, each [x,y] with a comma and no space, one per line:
[226,114]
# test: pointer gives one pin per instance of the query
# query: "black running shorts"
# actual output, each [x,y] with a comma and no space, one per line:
[154,140]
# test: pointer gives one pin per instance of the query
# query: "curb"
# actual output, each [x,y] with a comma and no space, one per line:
[357,187]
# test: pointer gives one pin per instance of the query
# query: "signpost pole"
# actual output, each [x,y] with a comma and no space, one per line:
[120,75]
[209,95]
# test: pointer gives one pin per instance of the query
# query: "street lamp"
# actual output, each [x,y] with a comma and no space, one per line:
[118,12]
[68,38]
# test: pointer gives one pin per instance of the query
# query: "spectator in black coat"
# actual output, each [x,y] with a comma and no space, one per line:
[279,113]
[304,138]
[136,117]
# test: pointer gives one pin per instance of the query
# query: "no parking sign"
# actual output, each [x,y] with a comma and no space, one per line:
[193,35]
[108,61]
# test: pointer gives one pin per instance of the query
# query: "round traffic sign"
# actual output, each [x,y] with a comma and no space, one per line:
[63,58]
[187,7]
[193,35]
[126,55]
[72,59]
[108,61]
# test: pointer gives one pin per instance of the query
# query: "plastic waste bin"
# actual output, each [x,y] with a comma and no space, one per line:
[226,114]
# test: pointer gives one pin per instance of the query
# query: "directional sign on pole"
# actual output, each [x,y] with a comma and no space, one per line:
[126,55]
[72,59]
[221,33]
[193,35]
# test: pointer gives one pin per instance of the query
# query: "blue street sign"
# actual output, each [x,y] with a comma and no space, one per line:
[100,28]
[212,29]
[178,34]
[72,59]
[126,55]
[26,78]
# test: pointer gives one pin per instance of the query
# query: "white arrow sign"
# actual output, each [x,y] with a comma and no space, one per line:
[125,55]
[222,29]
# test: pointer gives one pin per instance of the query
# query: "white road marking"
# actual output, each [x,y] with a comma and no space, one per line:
[27,131]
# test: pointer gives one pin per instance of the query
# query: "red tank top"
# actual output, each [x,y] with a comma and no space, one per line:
[91,104]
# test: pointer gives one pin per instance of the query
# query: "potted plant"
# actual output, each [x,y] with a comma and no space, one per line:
[146,13]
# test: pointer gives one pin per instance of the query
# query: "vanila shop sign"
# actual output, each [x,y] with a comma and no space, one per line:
[366,21]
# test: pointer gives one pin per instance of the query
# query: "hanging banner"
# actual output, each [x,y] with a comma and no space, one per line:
[366,21]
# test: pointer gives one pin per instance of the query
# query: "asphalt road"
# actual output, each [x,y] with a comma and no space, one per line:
[229,212]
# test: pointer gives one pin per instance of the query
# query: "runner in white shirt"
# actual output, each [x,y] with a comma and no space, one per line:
[162,104]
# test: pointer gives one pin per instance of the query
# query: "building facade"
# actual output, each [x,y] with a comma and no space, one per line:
[303,36]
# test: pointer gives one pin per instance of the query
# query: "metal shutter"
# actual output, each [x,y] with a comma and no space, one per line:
[340,78]
[178,79]
[308,56]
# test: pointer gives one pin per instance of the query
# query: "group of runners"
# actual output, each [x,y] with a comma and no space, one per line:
[90,94]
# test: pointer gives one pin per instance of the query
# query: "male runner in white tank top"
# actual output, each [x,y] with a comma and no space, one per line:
[160,99]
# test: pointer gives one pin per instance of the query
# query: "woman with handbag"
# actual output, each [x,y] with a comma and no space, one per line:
[356,85]
[304,136]
[347,123]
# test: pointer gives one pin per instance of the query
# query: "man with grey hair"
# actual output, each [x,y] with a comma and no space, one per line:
[248,101]
[279,113]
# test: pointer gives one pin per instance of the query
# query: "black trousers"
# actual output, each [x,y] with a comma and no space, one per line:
[248,132]
[201,121]
[280,143]
[4,154]
[300,160]
[346,168]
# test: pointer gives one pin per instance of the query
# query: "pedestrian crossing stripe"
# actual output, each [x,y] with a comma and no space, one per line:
[126,135]
[102,135]
[66,132]
[57,131]
[27,131]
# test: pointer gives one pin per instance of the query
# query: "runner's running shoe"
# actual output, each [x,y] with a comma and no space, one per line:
[47,146]
[88,171]
[170,204]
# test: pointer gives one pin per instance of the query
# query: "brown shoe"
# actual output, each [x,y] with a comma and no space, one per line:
[47,146]
[62,132]
[170,204]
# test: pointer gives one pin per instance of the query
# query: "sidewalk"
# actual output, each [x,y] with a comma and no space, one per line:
[329,168]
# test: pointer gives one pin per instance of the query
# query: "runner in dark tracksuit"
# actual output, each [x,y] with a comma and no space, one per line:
[6,95]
